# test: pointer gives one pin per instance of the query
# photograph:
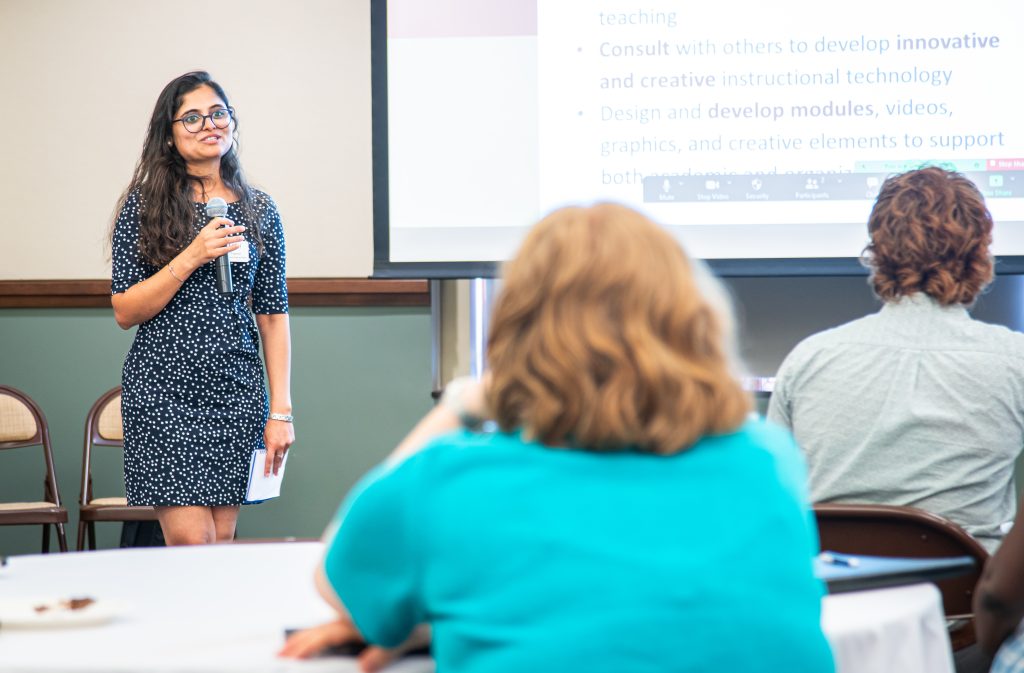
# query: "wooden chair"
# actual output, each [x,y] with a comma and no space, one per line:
[884,530]
[23,424]
[103,428]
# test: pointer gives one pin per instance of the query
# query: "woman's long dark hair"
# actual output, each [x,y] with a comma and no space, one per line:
[161,178]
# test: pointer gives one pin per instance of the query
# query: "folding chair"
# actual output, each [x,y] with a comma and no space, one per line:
[886,530]
[103,429]
[22,424]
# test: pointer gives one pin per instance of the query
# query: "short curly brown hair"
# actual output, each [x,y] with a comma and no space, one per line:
[930,232]
[602,339]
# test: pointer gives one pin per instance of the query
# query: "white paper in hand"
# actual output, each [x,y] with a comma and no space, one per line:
[260,487]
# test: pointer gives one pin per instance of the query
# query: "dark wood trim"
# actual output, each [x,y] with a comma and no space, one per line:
[54,293]
[301,292]
[357,292]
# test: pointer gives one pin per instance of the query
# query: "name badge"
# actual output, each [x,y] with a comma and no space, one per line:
[241,253]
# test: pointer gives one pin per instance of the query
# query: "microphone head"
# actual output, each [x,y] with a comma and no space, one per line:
[217,207]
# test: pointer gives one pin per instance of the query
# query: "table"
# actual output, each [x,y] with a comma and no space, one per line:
[211,608]
[899,629]
[224,608]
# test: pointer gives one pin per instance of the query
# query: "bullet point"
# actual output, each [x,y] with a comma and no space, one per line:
[580,113]
[578,49]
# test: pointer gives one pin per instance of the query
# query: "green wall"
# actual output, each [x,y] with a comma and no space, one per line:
[360,379]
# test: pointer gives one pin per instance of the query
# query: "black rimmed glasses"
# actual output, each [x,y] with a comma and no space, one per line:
[194,122]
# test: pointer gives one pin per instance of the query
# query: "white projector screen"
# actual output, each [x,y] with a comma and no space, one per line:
[758,133]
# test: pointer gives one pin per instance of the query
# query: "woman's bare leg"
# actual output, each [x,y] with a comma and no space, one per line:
[224,519]
[192,524]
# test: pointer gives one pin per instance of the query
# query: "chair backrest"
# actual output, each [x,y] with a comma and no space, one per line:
[885,530]
[22,423]
[102,428]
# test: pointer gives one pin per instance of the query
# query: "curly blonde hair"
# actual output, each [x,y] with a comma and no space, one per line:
[930,232]
[601,339]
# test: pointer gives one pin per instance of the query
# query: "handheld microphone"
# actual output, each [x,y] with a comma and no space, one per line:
[217,207]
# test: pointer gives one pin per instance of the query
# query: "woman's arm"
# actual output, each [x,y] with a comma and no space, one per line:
[275,332]
[444,417]
[999,596]
[144,300]
[342,630]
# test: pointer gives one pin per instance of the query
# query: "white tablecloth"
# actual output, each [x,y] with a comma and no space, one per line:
[224,608]
[901,629]
[212,608]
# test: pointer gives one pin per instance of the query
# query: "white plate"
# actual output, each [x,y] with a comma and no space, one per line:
[23,613]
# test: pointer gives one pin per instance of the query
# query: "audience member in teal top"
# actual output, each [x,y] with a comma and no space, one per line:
[625,517]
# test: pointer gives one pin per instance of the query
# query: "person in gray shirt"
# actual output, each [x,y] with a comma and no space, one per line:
[918,404]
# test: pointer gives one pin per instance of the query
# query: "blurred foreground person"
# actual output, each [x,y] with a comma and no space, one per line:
[624,513]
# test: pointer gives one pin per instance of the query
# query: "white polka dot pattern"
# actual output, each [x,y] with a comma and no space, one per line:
[194,402]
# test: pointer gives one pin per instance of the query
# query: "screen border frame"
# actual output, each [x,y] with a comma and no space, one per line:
[383,267]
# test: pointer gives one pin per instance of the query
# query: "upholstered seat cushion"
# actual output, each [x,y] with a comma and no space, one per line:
[116,502]
[8,506]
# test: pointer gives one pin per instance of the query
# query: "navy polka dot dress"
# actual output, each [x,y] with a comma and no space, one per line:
[194,401]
